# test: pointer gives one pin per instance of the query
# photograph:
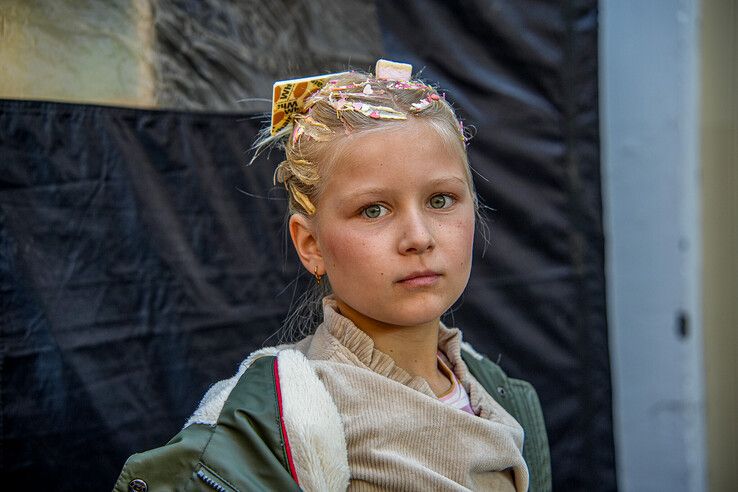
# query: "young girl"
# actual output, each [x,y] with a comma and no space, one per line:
[381,395]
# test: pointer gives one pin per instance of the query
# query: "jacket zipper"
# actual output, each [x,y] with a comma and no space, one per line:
[209,481]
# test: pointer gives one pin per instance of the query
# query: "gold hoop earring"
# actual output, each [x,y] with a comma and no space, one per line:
[317,277]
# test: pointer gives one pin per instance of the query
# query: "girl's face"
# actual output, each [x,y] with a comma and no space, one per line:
[395,225]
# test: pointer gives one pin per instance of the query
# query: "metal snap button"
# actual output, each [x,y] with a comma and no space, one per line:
[502,392]
[137,485]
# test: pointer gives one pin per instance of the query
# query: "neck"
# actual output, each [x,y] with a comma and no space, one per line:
[413,348]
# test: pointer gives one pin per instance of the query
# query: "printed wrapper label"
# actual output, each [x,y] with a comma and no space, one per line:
[289,98]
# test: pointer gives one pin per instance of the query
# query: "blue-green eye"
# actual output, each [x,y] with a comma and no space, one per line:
[374,211]
[441,201]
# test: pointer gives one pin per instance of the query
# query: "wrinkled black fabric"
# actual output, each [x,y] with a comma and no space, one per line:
[134,272]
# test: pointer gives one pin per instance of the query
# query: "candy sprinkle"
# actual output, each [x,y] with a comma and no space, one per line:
[424,103]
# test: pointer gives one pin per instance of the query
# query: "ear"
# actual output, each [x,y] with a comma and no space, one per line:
[306,243]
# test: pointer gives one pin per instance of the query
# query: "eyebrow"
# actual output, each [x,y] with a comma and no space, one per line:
[447,179]
[378,190]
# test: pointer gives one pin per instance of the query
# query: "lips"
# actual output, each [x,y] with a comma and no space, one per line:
[420,278]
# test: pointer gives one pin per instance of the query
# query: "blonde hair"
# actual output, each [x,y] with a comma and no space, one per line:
[353,103]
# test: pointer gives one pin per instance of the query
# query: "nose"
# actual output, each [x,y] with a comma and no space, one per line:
[416,234]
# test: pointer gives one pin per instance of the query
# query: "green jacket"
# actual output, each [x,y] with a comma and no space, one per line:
[245,447]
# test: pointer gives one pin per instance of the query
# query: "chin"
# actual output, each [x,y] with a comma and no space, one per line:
[400,310]
[415,315]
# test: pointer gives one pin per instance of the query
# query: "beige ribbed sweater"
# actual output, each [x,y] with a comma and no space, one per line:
[399,436]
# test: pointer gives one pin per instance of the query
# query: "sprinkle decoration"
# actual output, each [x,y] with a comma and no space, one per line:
[296,98]
[372,111]
[420,106]
[339,88]
[425,102]
[379,112]
[415,86]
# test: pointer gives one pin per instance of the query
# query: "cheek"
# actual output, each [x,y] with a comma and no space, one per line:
[463,232]
[344,248]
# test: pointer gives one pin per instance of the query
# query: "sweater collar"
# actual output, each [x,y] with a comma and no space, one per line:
[339,338]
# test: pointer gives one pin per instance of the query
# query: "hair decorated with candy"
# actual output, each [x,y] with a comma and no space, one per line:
[346,104]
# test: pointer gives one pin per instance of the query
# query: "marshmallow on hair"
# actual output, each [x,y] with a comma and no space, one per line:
[389,70]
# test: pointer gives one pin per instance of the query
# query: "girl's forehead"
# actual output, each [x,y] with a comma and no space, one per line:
[400,144]
[395,161]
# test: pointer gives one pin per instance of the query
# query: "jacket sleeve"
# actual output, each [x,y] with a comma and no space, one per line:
[243,451]
[170,467]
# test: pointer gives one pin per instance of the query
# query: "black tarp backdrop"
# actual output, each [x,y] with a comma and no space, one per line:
[133,272]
